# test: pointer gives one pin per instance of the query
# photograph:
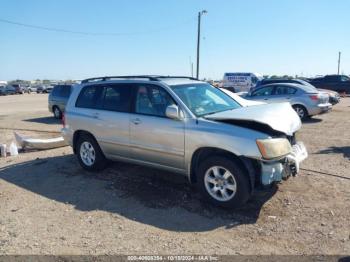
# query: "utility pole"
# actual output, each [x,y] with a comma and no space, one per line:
[199,38]
[339,62]
[191,66]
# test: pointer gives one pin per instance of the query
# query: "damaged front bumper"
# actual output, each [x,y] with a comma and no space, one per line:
[289,166]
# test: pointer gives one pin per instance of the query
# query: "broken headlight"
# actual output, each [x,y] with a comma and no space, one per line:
[274,147]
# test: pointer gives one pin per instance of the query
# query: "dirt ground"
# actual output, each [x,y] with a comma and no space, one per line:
[49,205]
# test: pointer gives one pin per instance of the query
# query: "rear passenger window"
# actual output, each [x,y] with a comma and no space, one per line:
[65,91]
[89,96]
[117,98]
[56,91]
[285,90]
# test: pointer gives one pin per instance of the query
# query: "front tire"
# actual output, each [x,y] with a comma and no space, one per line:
[223,182]
[89,153]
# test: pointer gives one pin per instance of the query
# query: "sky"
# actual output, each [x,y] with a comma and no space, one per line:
[130,37]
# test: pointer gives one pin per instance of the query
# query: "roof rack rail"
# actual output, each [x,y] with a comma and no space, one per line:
[185,77]
[106,78]
[149,77]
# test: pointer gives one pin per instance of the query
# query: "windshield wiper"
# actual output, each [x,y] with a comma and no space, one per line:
[212,113]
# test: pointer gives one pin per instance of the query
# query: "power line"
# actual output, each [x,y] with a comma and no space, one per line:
[60,30]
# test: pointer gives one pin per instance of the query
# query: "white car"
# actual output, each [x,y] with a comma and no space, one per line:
[239,99]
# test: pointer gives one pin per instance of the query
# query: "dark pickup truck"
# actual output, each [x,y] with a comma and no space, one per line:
[339,83]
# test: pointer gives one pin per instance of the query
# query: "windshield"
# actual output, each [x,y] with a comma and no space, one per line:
[204,99]
[345,78]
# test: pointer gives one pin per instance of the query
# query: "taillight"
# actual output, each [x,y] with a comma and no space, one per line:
[314,97]
[63,120]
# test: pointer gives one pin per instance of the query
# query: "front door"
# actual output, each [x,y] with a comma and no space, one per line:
[262,94]
[154,138]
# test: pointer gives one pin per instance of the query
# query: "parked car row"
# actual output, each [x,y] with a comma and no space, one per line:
[334,96]
[44,88]
[22,89]
[243,82]
[225,145]
[13,89]
[338,83]
[306,100]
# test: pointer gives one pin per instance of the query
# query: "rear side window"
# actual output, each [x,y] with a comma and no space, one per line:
[117,98]
[65,91]
[56,91]
[285,90]
[89,96]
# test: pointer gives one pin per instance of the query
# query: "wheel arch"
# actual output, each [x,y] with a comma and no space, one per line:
[247,164]
[79,133]
[301,105]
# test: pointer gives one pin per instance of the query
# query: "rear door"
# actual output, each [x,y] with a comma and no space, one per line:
[113,119]
[283,93]
[154,138]
[86,111]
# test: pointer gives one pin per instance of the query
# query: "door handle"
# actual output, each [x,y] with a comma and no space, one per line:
[96,115]
[266,99]
[136,121]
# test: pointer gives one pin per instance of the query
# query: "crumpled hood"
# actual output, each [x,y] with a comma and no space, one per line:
[279,116]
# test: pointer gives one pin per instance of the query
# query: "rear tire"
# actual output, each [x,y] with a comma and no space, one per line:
[301,111]
[57,112]
[89,153]
[223,182]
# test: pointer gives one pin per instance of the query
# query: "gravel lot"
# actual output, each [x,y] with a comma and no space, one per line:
[49,205]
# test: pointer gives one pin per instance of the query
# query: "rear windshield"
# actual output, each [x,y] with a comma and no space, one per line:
[308,88]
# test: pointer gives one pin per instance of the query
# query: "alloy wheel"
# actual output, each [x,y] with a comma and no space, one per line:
[300,111]
[220,183]
[87,153]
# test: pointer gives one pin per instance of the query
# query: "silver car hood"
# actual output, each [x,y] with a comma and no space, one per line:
[278,116]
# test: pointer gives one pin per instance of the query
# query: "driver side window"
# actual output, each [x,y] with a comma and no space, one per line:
[152,100]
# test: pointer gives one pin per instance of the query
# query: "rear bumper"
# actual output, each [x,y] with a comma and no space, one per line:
[67,135]
[289,166]
[334,100]
[320,109]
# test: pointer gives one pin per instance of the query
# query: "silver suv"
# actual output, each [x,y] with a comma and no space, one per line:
[186,126]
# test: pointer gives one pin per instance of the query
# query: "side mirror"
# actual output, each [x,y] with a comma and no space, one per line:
[172,112]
